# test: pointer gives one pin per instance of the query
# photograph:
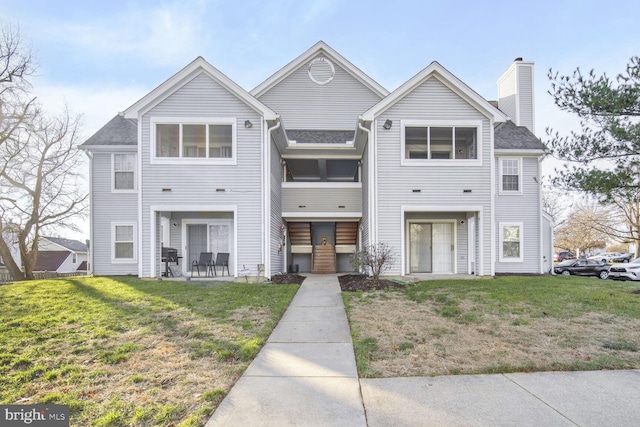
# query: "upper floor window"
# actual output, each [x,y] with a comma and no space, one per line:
[510,175]
[124,172]
[422,140]
[194,139]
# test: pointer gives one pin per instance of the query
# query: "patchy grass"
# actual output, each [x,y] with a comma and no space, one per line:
[124,351]
[507,324]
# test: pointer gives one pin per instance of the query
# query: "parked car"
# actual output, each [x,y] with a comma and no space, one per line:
[628,271]
[623,257]
[583,267]
[606,257]
[562,255]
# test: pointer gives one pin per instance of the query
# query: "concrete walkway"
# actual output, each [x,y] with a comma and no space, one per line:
[306,376]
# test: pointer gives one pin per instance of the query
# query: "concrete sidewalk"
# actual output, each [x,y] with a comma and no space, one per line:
[306,376]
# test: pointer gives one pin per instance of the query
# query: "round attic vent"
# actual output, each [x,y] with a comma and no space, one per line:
[321,71]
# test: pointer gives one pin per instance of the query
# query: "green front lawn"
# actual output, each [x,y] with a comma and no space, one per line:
[125,351]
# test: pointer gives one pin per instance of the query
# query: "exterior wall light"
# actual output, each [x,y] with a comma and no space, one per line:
[248,124]
[387,124]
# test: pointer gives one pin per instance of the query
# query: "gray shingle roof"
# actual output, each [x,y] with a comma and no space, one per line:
[303,136]
[50,260]
[508,136]
[118,131]
[72,245]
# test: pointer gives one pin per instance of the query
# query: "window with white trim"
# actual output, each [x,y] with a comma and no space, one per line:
[193,140]
[510,175]
[123,237]
[74,258]
[124,171]
[511,242]
[440,142]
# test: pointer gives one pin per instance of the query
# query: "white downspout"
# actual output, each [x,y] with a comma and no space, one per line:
[369,210]
[267,199]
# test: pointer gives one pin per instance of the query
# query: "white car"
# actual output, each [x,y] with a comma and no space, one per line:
[606,257]
[628,271]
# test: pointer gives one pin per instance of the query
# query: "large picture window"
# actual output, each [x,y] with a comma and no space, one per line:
[123,240]
[422,141]
[511,242]
[199,140]
[124,172]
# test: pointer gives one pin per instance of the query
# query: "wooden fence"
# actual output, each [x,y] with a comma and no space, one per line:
[40,275]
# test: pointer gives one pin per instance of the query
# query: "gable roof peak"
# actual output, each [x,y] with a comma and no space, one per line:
[309,54]
[198,65]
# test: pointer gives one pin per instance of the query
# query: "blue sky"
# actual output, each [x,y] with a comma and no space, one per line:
[100,57]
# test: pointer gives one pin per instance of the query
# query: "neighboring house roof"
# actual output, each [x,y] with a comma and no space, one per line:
[50,260]
[508,136]
[435,70]
[72,245]
[319,48]
[182,77]
[83,266]
[320,136]
[118,131]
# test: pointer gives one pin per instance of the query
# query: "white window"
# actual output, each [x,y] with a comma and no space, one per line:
[194,139]
[123,237]
[510,175]
[511,242]
[124,172]
[440,142]
[74,258]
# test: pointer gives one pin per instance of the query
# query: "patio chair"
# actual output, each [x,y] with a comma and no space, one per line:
[205,261]
[222,260]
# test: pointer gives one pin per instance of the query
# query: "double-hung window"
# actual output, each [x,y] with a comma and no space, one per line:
[511,242]
[124,172]
[201,139]
[123,238]
[510,175]
[434,141]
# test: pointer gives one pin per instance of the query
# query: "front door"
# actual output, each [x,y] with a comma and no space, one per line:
[431,248]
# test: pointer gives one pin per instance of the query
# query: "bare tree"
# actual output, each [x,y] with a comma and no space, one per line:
[578,231]
[555,205]
[16,66]
[39,178]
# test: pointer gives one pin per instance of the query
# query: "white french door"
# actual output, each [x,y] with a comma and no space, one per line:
[431,247]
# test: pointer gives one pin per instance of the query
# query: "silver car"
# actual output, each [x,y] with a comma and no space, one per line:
[628,271]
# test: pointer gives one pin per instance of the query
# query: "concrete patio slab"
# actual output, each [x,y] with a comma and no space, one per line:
[291,401]
[304,360]
[592,398]
[319,332]
[313,314]
[465,400]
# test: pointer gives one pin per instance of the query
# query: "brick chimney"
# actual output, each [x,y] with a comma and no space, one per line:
[515,93]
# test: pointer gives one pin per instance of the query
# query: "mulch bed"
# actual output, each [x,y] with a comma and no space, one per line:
[348,282]
[285,279]
[361,282]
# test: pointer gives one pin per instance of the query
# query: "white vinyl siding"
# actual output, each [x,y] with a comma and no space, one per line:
[124,172]
[123,240]
[523,209]
[303,104]
[511,242]
[510,175]
[459,186]
[277,255]
[108,206]
[198,183]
